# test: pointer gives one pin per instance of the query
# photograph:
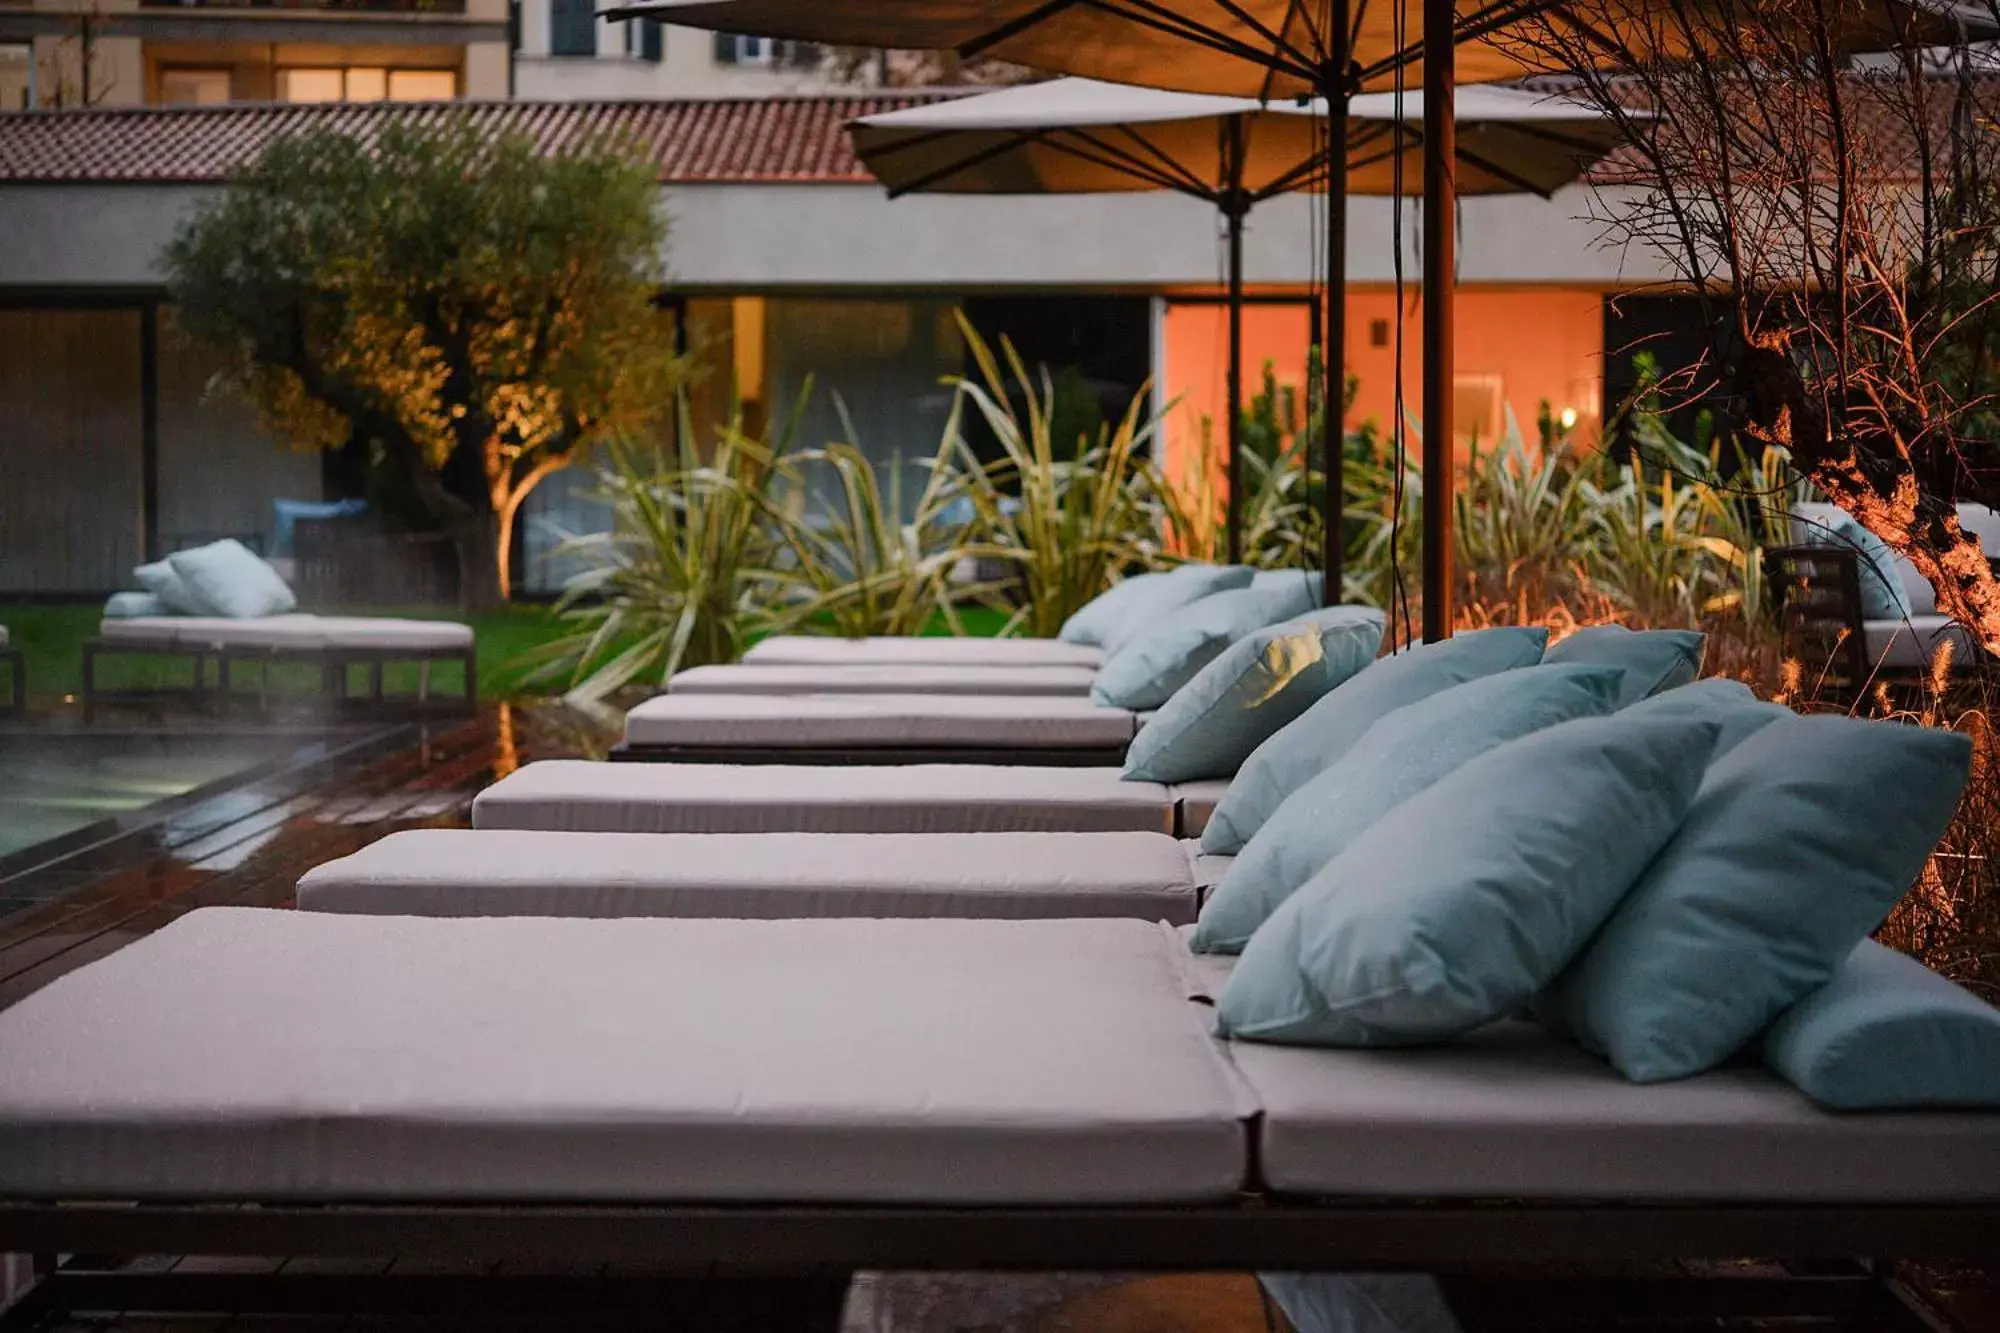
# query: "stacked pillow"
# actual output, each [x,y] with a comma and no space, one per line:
[1105,620]
[1664,882]
[1155,658]
[224,578]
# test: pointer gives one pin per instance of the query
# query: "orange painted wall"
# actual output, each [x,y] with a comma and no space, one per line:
[1537,343]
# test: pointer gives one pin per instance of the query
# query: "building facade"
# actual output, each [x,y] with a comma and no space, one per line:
[787,263]
[564,53]
[120,53]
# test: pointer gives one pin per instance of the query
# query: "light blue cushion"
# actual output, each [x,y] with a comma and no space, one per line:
[1098,616]
[174,592]
[1883,596]
[1407,751]
[134,606]
[233,581]
[1310,581]
[1462,902]
[1886,1032]
[1147,668]
[1324,732]
[1653,660]
[1258,684]
[1804,836]
[1181,587]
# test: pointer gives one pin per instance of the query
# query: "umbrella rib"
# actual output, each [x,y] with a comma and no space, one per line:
[1166,161]
[1307,172]
[1529,130]
[1479,25]
[1274,36]
[1150,15]
[1514,179]
[1115,159]
[1020,23]
[966,163]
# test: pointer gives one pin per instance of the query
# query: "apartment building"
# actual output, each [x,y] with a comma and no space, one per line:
[565,53]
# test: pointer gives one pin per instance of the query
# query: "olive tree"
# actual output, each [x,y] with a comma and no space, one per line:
[469,308]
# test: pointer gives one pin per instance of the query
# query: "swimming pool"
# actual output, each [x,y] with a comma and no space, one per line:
[57,786]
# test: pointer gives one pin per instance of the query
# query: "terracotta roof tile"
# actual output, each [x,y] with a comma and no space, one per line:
[735,140]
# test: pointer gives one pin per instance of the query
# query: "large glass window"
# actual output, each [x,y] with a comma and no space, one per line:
[367,83]
[194,87]
[422,85]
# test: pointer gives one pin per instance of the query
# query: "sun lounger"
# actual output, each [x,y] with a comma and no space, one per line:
[491,872]
[331,642]
[926,650]
[877,729]
[781,1095]
[581,796]
[749,678]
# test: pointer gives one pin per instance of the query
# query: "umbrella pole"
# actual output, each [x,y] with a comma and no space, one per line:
[1440,273]
[1233,206]
[1333,399]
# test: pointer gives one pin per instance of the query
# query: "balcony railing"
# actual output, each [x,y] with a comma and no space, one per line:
[343,6]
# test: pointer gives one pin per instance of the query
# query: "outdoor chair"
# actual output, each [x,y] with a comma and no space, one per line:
[796,1100]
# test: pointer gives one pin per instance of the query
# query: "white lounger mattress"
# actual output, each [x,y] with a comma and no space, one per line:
[827,720]
[255,1054]
[582,796]
[493,872]
[749,678]
[291,1055]
[928,650]
[298,633]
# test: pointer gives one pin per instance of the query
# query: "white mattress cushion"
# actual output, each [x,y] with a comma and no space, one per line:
[804,798]
[751,678]
[1913,644]
[255,1054]
[1512,1111]
[297,632]
[1207,868]
[500,872]
[928,650]
[780,721]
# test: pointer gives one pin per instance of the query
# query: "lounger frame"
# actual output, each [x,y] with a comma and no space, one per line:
[1063,756]
[16,665]
[333,664]
[802,1255]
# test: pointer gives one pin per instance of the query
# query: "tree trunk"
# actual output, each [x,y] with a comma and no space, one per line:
[482,583]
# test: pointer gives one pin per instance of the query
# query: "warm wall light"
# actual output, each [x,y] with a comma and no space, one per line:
[1569,418]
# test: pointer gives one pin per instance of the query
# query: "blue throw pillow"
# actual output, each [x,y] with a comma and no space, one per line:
[1147,668]
[233,580]
[1258,684]
[134,606]
[1181,587]
[1324,732]
[1653,660]
[1089,623]
[175,593]
[1802,839]
[1461,903]
[1883,596]
[1407,751]
[1730,704]
[1885,1033]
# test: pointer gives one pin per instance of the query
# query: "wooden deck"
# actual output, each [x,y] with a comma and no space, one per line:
[249,846]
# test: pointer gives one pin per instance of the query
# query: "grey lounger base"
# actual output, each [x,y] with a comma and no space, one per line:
[333,662]
[1078,756]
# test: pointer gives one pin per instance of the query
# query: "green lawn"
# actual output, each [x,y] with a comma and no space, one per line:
[51,635]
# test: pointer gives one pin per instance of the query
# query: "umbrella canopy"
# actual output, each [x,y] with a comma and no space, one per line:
[1254,48]
[1082,136]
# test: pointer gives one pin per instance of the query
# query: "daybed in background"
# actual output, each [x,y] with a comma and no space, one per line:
[333,643]
[17,677]
[932,650]
[868,728]
[749,678]
[771,876]
[1053,1100]
[1846,635]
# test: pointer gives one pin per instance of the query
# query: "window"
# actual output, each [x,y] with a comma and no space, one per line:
[1477,402]
[367,83]
[733,50]
[572,28]
[645,40]
[194,87]
[422,85]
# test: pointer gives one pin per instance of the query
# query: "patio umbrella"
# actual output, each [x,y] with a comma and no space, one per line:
[1082,136]
[1269,49]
